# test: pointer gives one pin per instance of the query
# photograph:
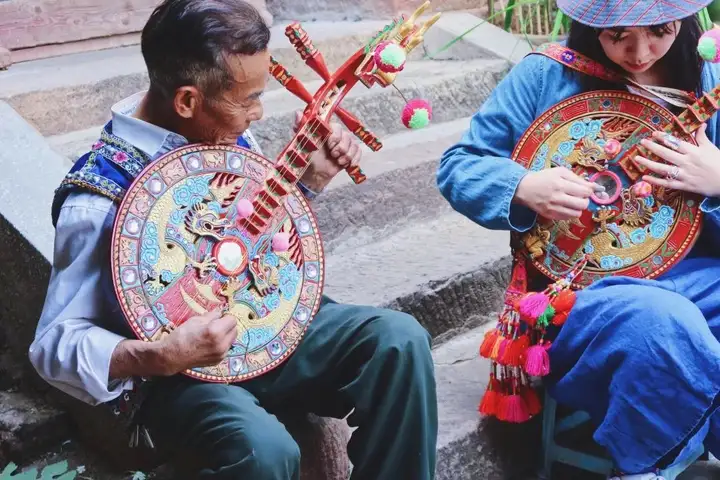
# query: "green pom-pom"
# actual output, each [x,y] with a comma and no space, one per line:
[707,48]
[420,119]
[547,316]
[393,55]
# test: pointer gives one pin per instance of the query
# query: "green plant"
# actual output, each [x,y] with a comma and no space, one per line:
[535,17]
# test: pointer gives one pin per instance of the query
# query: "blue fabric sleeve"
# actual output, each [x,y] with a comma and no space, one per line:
[476,175]
[710,206]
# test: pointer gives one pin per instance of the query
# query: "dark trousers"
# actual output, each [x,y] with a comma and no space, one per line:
[372,362]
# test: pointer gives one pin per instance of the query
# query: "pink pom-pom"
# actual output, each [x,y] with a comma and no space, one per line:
[244,208]
[281,242]
[642,189]
[612,147]
[537,361]
[390,57]
[532,306]
[416,114]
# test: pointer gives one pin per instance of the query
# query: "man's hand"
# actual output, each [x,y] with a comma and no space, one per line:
[201,341]
[340,151]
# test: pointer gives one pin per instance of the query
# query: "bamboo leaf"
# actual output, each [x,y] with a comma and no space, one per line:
[559,16]
[510,10]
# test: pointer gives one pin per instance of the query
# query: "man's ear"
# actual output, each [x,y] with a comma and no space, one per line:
[187,102]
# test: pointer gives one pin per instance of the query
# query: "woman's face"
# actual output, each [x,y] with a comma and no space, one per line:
[638,49]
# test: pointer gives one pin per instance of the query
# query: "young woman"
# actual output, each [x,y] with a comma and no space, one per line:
[641,356]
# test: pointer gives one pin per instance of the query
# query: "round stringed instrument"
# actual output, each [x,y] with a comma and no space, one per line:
[632,228]
[207,227]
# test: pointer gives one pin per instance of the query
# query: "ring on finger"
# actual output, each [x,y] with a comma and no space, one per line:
[674,173]
[671,141]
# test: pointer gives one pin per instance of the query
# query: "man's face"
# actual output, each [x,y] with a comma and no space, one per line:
[223,118]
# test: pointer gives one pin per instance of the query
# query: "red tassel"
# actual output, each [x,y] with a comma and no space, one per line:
[532,400]
[564,301]
[560,318]
[488,343]
[504,347]
[489,405]
[537,363]
[515,354]
[514,409]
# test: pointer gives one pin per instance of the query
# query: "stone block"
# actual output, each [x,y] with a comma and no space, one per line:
[5,58]
[353,10]
[476,38]
[28,427]
[31,173]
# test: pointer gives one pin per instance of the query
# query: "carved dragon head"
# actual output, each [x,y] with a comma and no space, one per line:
[204,222]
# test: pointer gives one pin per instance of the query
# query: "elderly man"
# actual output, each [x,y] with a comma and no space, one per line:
[208,64]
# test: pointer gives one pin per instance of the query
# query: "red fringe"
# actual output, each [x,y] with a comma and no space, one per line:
[531,398]
[514,410]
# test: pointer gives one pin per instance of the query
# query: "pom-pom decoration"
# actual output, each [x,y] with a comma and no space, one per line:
[416,114]
[612,147]
[390,57]
[642,189]
[244,208]
[709,45]
[281,242]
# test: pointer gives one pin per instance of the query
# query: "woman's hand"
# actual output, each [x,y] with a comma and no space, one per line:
[556,193]
[692,168]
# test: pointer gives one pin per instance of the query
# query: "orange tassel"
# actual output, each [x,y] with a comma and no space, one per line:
[564,301]
[496,347]
[488,343]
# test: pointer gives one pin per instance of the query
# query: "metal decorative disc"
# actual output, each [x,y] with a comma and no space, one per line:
[634,230]
[180,250]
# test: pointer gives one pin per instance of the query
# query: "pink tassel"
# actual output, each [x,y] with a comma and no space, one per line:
[532,306]
[537,363]
[514,409]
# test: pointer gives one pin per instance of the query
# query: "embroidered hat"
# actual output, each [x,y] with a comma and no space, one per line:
[629,13]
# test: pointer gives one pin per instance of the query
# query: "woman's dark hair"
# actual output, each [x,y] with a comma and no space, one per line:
[682,58]
[186,42]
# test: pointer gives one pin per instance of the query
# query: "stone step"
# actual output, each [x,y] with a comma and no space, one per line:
[401,188]
[74,92]
[445,272]
[454,89]
[28,426]
[349,9]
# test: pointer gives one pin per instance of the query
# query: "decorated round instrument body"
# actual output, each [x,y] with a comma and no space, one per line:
[181,249]
[630,229]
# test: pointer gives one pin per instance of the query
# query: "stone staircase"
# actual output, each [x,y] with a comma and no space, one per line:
[392,241]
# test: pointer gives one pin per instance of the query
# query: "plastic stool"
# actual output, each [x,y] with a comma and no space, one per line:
[552,452]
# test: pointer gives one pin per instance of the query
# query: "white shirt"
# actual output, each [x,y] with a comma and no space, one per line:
[73,343]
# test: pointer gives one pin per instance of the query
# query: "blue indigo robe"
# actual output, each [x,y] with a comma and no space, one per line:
[642,357]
